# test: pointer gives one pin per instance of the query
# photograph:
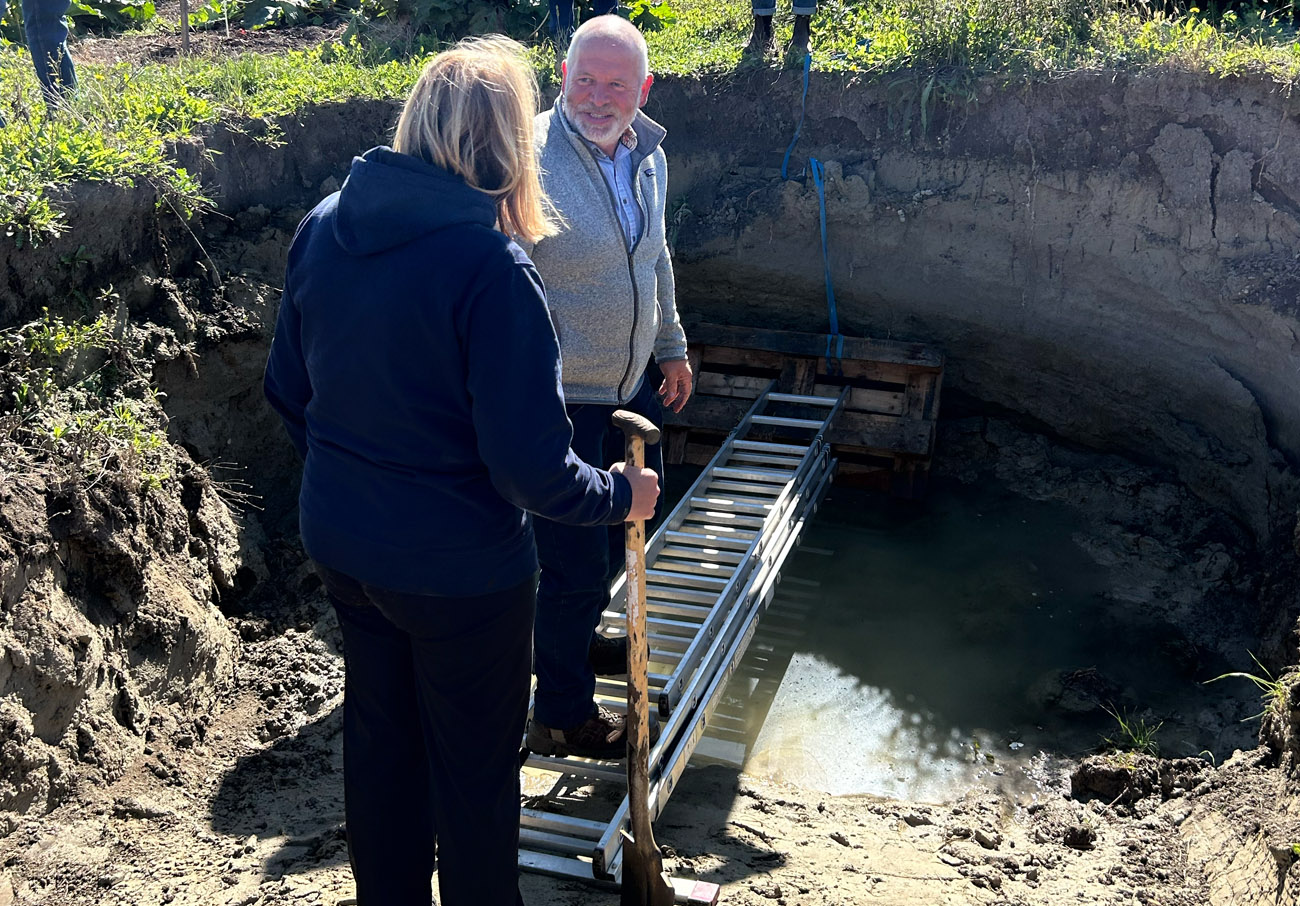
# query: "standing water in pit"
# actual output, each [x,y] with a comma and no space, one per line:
[915,649]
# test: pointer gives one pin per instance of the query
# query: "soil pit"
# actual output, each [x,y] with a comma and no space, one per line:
[162,783]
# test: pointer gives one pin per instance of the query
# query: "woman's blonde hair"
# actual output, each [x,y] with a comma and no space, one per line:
[471,113]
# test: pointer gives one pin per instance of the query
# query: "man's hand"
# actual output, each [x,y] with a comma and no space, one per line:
[677,385]
[645,490]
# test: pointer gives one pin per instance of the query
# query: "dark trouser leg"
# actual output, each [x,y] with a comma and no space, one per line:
[572,593]
[646,402]
[446,678]
[560,18]
[47,39]
[386,778]
[761,38]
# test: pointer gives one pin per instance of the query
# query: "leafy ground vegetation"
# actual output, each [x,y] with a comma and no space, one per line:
[118,125]
[78,406]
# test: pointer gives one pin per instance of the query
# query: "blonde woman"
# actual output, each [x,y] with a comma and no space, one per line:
[416,369]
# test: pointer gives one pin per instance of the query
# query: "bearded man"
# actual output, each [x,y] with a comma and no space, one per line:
[609,285]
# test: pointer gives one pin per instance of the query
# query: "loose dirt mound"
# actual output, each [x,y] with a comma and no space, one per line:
[108,626]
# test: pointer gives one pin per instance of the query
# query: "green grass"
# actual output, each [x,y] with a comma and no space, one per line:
[1273,690]
[1012,36]
[117,127]
[75,404]
[1133,734]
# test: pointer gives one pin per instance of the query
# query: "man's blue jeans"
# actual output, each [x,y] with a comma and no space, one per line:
[47,39]
[560,17]
[578,563]
[768,7]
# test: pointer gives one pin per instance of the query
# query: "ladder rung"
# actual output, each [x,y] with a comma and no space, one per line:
[580,766]
[708,539]
[664,644]
[787,422]
[614,692]
[677,627]
[682,580]
[678,609]
[556,843]
[770,476]
[720,517]
[683,595]
[704,554]
[763,446]
[765,459]
[695,565]
[801,398]
[732,503]
[761,489]
[562,824]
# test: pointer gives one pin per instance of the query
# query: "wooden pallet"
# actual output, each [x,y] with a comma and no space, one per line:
[885,436]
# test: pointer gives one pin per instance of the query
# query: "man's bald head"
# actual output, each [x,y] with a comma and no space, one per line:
[605,80]
[614,31]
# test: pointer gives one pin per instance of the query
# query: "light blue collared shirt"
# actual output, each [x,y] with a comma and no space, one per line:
[620,176]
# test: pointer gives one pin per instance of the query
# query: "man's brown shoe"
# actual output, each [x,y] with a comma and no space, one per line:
[603,735]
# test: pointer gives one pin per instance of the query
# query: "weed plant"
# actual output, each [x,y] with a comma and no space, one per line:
[1133,734]
[75,406]
[1273,690]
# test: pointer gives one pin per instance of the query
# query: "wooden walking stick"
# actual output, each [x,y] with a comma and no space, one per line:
[644,880]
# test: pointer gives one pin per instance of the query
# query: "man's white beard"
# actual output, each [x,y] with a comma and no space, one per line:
[611,133]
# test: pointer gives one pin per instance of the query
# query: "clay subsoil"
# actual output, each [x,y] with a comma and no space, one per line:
[170,679]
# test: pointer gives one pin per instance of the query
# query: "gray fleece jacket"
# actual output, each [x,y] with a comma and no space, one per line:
[611,308]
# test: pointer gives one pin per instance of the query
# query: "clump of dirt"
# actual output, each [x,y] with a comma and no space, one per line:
[1129,777]
[1280,730]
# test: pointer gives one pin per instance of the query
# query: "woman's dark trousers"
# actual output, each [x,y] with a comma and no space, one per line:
[435,703]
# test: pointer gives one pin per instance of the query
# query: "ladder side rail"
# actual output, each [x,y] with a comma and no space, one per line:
[673,521]
[759,593]
[694,655]
[671,694]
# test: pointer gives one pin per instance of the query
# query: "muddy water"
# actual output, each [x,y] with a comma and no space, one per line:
[916,649]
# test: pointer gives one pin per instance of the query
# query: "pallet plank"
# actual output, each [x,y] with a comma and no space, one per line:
[858,429]
[812,345]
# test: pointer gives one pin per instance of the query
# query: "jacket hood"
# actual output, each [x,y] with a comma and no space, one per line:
[389,199]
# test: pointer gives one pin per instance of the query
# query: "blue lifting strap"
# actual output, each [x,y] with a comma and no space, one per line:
[834,339]
[803,108]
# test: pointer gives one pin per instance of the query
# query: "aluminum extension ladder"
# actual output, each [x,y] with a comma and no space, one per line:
[711,569]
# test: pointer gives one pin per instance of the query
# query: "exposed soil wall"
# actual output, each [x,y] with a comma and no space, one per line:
[1111,255]
[109,634]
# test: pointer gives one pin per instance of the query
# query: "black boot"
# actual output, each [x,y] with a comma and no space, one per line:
[802,36]
[762,40]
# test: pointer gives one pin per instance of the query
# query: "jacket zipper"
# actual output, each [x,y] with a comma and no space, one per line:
[630,372]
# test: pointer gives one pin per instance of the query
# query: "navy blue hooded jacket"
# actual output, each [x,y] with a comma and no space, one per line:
[417,371]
